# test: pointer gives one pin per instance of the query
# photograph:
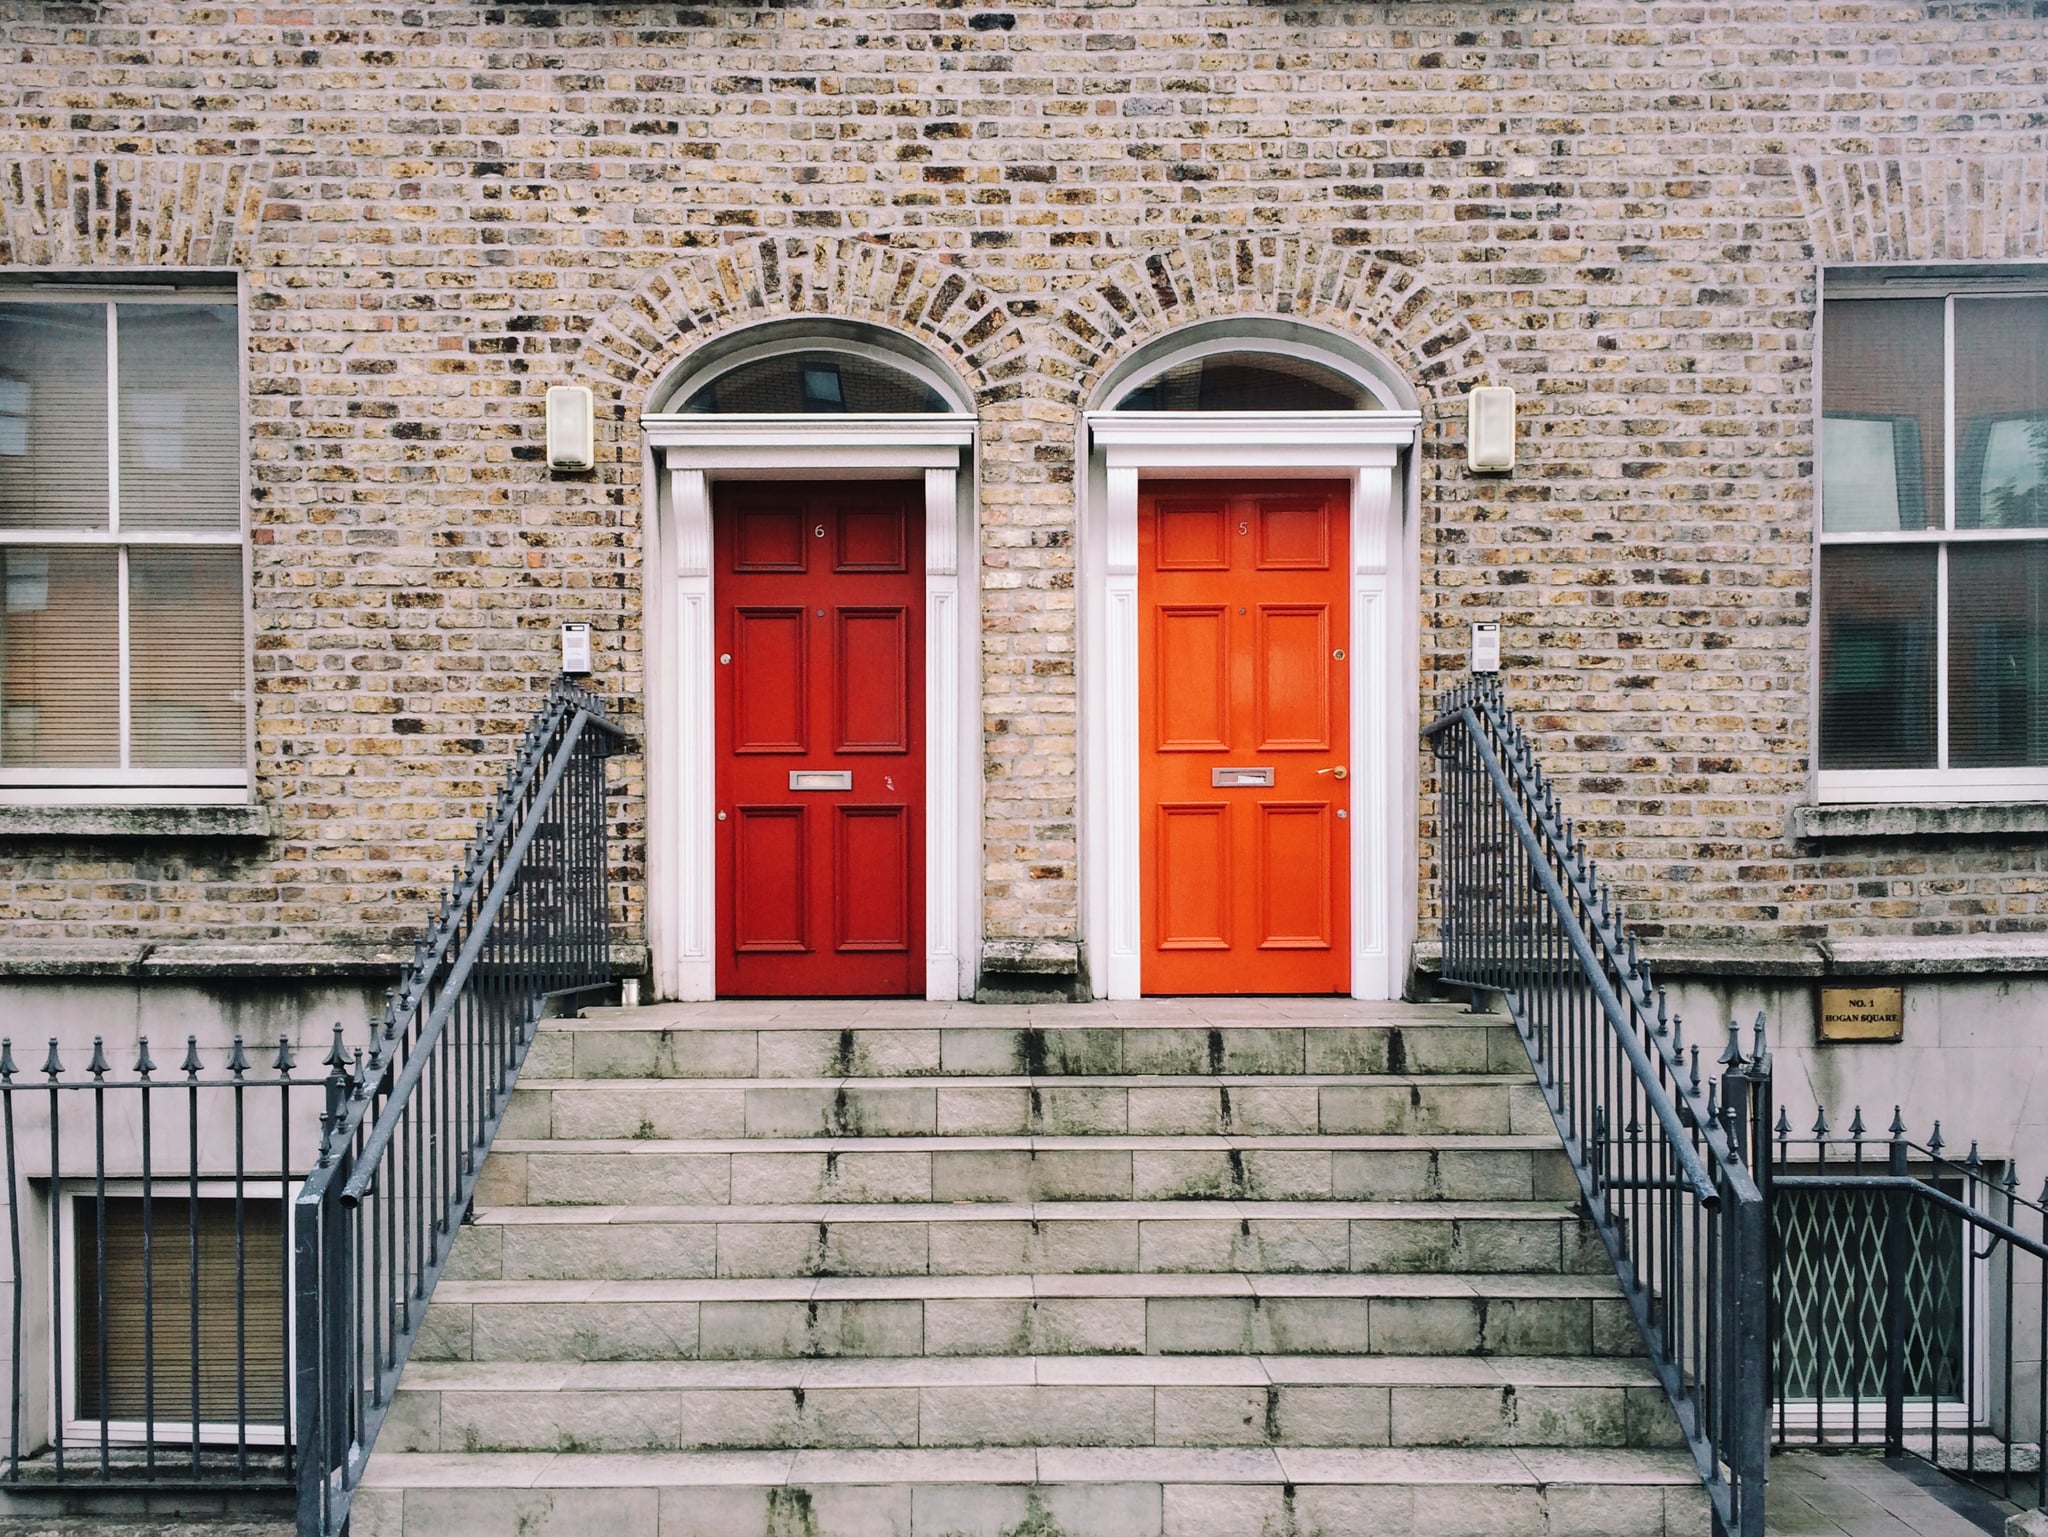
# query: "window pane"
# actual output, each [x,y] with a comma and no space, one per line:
[181,416]
[2002,413]
[1997,655]
[1248,381]
[239,1311]
[60,670]
[185,665]
[53,416]
[1882,419]
[1877,658]
[816,384]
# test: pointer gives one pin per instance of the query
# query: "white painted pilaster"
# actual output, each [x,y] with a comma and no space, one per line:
[943,829]
[1120,743]
[693,785]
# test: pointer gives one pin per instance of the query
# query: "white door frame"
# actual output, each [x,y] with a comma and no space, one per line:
[1364,448]
[683,454]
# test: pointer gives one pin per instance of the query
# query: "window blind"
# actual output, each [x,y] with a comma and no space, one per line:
[258,1304]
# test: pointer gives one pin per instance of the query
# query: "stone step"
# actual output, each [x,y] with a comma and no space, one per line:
[868,1170]
[835,1040]
[1018,1105]
[994,1238]
[1004,1491]
[944,1316]
[1427,1401]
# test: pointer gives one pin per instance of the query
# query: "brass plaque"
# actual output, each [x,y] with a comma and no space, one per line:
[1862,1013]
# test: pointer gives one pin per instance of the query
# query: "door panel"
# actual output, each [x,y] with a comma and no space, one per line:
[819,625]
[1243,614]
[1193,892]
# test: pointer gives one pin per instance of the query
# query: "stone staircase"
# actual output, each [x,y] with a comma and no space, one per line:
[1183,1268]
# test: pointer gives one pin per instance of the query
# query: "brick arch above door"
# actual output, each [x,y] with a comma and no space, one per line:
[675,310]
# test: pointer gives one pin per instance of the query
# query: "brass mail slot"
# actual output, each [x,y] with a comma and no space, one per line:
[1224,778]
[821,779]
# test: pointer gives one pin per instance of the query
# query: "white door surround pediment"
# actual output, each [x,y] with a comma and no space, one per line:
[683,455]
[1365,448]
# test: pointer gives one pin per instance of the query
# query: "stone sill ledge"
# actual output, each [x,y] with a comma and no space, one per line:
[125,822]
[192,960]
[1970,955]
[1992,819]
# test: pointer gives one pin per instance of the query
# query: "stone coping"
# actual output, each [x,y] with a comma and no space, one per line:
[1879,956]
[114,823]
[1998,819]
[198,960]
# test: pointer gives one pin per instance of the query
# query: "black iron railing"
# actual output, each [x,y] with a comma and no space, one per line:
[1909,1294]
[1656,1139]
[218,1270]
[525,921]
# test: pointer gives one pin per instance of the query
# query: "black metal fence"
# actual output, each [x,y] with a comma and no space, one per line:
[1656,1138]
[1909,1294]
[224,1265]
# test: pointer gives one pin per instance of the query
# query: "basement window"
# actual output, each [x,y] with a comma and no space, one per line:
[132,1322]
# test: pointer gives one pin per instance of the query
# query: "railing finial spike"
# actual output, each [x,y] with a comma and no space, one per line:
[1663,1017]
[1783,1129]
[1974,1163]
[337,1053]
[1695,1069]
[143,1065]
[2043,1197]
[191,1066]
[1678,1037]
[1820,1124]
[238,1058]
[283,1063]
[1934,1143]
[1898,1127]
[53,1064]
[1731,1058]
[7,1067]
[2012,1178]
[99,1066]
[1856,1124]
[1758,1053]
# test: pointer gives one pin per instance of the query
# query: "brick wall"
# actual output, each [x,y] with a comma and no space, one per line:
[442,209]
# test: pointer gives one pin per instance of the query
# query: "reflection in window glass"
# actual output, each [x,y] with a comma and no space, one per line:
[53,416]
[2001,413]
[181,416]
[185,678]
[816,383]
[1881,432]
[1248,381]
[1997,655]
[1877,657]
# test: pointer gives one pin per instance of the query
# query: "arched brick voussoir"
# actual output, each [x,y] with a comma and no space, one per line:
[77,211]
[1383,304]
[680,307]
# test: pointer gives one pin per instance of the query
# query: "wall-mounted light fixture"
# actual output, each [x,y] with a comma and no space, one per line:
[1490,429]
[571,427]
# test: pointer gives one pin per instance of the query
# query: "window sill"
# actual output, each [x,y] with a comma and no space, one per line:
[1990,819]
[249,821]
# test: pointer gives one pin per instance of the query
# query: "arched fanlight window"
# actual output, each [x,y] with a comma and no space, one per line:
[1247,381]
[816,383]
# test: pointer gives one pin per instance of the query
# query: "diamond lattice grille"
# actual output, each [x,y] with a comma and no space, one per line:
[1830,1296]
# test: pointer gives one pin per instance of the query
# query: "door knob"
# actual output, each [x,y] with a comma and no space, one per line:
[1340,771]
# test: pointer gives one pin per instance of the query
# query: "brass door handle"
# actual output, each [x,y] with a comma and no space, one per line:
[1340,771]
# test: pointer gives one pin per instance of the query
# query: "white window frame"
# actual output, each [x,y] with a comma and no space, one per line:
[1937,784]
[64,1389]
[124,784]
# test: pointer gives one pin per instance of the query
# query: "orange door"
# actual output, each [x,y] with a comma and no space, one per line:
[819,594]
[1243,779]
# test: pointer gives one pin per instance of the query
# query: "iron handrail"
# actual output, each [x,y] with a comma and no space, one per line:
[407,1129]
[1659,1152]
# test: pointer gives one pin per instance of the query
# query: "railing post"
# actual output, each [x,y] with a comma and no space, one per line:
[1896,1199]
[1749,1442]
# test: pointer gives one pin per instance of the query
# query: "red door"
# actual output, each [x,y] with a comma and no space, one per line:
[1242,774]
[820,636]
